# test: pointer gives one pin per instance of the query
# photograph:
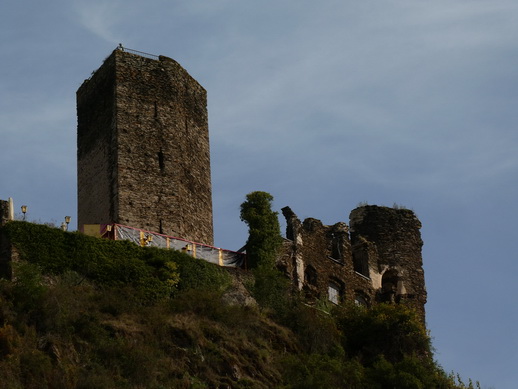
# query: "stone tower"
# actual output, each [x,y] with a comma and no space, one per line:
[143,148]
[387,242]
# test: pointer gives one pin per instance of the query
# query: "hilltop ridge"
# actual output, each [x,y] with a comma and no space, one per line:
[79,314]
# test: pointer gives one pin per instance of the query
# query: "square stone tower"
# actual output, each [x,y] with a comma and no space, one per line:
[143,155]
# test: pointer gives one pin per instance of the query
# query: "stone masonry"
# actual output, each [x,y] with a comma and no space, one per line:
[377,259]
[8,254]
[143,148]
[4,212]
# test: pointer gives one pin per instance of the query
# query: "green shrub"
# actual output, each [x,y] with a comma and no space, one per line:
[271,289]
[36,368]
[264,234]
[198,274]
[28,290]
[156,273]
[385,329]
[321,371]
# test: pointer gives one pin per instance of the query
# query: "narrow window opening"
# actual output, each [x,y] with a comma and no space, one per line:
[361,262]
[310,276]
[156,110]
[161,163]
[336,246]
[161,230]
[389,284]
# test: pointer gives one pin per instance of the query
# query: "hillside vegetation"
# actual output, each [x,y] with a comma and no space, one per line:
[83,312]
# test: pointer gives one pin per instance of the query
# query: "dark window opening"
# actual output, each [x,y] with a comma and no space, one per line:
[361,262]
[310,275]
[161,163]
[335,245]
[156,110]
[389,284]
[283,269]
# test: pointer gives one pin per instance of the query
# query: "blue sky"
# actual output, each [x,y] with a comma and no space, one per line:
[324,105]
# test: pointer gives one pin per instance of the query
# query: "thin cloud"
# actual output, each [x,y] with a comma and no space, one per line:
[101,18]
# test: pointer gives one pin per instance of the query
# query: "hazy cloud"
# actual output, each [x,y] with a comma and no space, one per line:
[101,18]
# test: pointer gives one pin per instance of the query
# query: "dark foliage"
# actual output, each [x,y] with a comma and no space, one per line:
[155,273]
[79,323]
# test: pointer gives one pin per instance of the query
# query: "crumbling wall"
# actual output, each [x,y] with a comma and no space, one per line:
[321,260]
[8,253]
[5,212]
[143,148]
[4,247]
[398,274]
[377,260]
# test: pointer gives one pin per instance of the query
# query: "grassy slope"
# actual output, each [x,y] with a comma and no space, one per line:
[89,313]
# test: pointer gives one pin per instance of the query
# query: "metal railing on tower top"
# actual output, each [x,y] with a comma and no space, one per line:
[141,53]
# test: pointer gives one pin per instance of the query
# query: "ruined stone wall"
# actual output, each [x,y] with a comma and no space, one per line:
[143,148]
[5,249]
[8,253]
[321,257]
[4,212]
[398,269]
[377,260]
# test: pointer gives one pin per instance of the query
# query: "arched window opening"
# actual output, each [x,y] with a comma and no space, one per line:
[361,300]
[335,291]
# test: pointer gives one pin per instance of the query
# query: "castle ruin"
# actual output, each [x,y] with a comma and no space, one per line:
[144,162]
[376,259]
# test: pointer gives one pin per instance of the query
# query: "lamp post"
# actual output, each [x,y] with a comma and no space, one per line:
[24,211]
[64,225]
